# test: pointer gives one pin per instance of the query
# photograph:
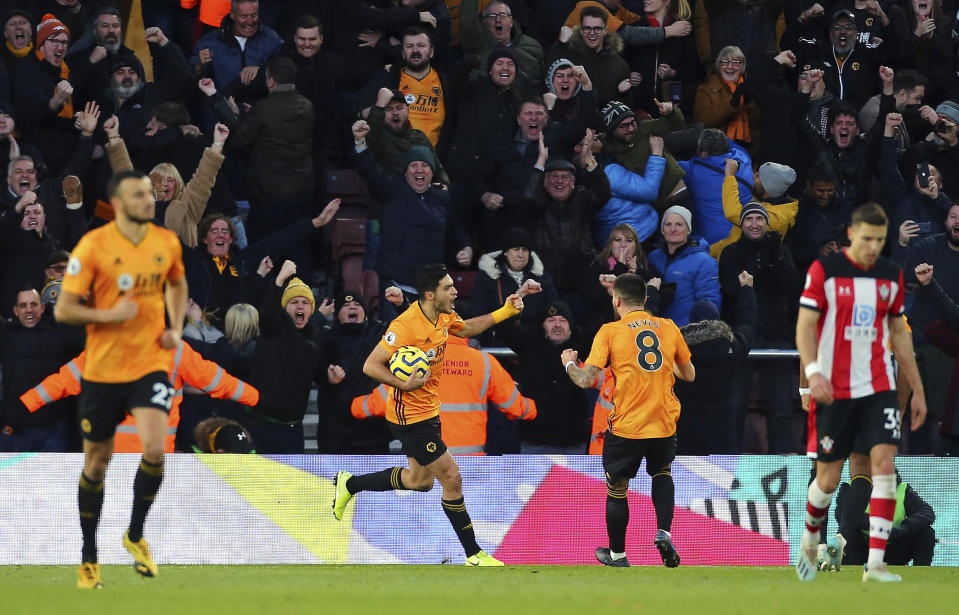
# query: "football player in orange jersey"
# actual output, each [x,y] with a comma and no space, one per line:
[646,354]
[413,405]
[131,272]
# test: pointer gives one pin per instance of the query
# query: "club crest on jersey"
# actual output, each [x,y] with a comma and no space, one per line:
[844,291]
[826,443]
[159,259]
[884,293]
[390,338]
[125,282]
[74,266]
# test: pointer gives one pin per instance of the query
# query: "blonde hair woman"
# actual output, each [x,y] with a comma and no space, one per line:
[185,202]
[242,324]
[721,102]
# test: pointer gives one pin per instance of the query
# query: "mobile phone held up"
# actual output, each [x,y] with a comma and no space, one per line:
[922,174]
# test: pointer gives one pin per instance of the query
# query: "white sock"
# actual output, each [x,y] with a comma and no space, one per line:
[616,556]
[883,486]
[819,499]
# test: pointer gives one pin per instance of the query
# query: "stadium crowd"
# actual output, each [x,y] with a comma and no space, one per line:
[312,155]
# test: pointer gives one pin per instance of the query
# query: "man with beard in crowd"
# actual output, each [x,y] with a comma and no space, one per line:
[391,135]
[130,97]
[850,68]
[92,55]
[424,87]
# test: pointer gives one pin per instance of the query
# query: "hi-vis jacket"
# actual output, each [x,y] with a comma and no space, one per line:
[604,405]
[189,368]
[471,378]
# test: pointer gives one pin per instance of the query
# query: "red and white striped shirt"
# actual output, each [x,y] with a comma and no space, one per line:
[854,306]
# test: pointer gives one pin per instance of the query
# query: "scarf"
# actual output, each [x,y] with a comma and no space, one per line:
[738,129]
[20,53]
[67,109]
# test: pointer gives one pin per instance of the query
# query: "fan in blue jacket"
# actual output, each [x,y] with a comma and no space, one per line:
[415,219]
[704,179]
[633,196]
[685,261]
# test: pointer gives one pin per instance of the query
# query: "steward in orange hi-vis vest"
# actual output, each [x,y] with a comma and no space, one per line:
[471,379]
[601,411]
[189,368]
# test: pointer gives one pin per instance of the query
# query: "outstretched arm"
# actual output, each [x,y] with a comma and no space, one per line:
[475,326]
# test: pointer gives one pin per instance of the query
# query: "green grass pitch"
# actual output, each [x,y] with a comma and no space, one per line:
[427,590]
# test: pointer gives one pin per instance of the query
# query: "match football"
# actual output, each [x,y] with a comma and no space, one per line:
[407,361]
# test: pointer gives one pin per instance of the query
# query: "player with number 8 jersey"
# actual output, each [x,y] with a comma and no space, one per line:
[645,354]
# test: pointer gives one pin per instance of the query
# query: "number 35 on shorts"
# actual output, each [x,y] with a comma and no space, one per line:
[162,395]
[892,421]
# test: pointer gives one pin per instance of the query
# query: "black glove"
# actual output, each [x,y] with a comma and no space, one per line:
[737,98]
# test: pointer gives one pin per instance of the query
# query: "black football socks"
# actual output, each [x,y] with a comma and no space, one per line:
[90,502]
[145,487]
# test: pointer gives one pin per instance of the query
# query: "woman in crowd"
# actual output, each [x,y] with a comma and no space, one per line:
[623,253]
[232,352]
[180,205]
[721,102]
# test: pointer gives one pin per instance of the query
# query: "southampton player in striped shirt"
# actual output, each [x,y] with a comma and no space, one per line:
[851,312]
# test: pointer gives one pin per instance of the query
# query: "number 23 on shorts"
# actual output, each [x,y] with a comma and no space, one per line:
[162,395]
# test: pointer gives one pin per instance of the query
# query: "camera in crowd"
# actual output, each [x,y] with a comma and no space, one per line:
[943,127]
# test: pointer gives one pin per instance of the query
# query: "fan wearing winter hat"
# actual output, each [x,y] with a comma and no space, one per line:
[684,262]
[93,55]
[18,28]
[770,187]
[627,144]
[391,135]
[298,301]
[569,92]
[53,38]
[494,28]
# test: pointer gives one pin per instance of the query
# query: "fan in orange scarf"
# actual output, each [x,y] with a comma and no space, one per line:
[719,101]
[53,38]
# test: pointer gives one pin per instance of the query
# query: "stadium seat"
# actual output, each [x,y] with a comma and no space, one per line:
[351,272]
[349,237]
[464,280]
[347,185]
[371,290]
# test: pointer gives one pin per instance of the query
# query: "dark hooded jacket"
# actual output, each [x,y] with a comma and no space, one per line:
[707,422]
[171,80]
[606,68]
